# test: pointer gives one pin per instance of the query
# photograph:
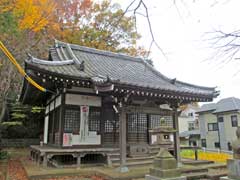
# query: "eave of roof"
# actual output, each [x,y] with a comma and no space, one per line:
[65,53]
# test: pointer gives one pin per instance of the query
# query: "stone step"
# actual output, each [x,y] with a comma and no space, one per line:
[140,158]
[195,175]
[216,166]
[138,163]
[216,175]
[114,155]
[194,170]
[134,159]
[198,162]
[153,152]
[160,145]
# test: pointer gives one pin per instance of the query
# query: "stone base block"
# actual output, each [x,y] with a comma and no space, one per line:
[123,169]
[149,177]
[165,173]
[169,163]
[233,166]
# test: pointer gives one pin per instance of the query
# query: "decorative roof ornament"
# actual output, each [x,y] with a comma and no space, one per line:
[79,63]
[173,81]
[81,66]
[102,84]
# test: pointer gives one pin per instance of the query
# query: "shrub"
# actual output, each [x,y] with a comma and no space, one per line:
[13,130]
[3,155]
[12,123]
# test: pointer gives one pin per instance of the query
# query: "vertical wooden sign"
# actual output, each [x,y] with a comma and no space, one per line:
[84,132]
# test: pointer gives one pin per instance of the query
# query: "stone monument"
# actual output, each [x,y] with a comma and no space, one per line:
[164,167]
[233,165]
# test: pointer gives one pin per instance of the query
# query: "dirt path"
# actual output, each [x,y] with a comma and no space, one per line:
[16,170]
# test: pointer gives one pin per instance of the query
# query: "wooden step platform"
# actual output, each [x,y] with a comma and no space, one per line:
[44,154]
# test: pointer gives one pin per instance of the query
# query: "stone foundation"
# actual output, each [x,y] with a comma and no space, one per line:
[149,177]
[164,167]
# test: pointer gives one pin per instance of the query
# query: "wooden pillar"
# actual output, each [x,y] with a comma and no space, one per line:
[38,159]
[109,161]
[79,160]
[45,134]
[176,136]
[45,160]
[54,120]
[123,139]
[62,115]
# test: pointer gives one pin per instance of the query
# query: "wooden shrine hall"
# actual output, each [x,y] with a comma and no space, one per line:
[105,107]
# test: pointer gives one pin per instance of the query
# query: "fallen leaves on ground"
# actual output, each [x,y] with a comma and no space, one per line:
[75,178]
[16,170]
[3,169]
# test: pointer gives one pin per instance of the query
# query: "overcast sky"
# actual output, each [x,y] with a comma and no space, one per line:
[181,33]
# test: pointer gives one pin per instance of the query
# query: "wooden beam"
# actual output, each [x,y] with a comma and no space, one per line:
[176,136]
[123,139]
[62,115]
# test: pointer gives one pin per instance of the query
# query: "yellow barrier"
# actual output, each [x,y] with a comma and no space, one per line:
[20,69]
[210,156]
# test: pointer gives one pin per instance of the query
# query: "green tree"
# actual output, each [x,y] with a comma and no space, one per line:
[29,26]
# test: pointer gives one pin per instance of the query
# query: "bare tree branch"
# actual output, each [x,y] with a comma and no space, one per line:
[179,14]
[226,45]
[135,11]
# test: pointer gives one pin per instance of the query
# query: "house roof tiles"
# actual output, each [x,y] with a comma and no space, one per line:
[224,105]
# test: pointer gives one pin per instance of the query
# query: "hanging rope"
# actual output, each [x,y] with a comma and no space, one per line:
[20,69]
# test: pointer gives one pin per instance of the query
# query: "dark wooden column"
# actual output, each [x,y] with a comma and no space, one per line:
[176,135]
[53,121]
[62,115]
[123,139]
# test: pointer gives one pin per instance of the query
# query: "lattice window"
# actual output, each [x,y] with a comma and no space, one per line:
[111,126]
[137,124]
[72,120]
[111,123]
[168,120]
[57,138]
[157,120]
[132,123]
[142,123]
[94,119]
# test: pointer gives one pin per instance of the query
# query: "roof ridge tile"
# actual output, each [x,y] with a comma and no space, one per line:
[98,51]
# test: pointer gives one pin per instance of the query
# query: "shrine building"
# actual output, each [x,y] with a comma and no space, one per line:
[105,107]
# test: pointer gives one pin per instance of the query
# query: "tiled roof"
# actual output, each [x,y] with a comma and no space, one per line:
[207,107]
[125,70]
[224,105]
[227,104]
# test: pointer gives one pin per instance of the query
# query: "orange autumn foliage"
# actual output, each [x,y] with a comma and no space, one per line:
[33,15]
[82,22]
